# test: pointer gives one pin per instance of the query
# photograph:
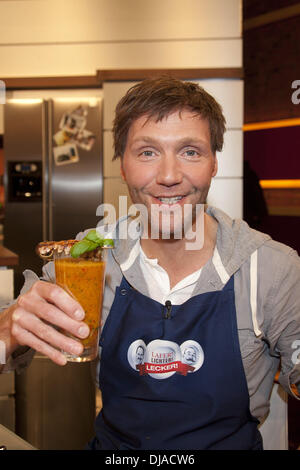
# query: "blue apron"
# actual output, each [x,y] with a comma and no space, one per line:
[172,376]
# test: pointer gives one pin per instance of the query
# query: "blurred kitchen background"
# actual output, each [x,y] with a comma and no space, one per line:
[86,54]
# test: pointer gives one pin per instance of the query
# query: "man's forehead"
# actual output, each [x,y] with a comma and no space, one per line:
[182,114]
[185,127]
[185,120]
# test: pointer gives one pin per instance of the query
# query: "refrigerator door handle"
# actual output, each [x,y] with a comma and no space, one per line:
[50,169]
[45,172]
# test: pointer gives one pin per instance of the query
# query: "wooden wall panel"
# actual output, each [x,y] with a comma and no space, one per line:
[54,21]
[252,8]
[85,59]
[271,64]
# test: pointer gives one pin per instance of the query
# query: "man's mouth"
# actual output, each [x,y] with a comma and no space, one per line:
[170,200]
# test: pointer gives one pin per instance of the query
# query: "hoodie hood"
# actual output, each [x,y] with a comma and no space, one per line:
[236,241]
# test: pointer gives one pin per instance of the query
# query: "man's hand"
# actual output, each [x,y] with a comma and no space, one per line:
[34,317]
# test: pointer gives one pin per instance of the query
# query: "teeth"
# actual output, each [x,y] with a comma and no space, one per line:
[170,200]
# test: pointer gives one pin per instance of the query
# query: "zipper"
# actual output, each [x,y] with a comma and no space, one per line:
[167,310]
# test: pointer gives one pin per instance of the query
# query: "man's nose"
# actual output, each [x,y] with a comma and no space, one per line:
[169,171]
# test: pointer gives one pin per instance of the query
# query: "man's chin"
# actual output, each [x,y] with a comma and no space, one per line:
[165,233]
[173,224]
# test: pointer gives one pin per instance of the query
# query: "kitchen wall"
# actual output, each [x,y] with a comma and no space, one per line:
[77,37]
[74,37]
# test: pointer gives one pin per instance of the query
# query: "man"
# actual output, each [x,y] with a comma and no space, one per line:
[234,298]
[190,355]
[139,357]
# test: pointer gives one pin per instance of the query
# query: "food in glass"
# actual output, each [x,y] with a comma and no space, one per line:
[80,271]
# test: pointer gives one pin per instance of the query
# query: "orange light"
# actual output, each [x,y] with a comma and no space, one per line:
[271,124]
[279,184]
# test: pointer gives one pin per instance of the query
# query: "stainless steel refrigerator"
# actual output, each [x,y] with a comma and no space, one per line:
[53,186]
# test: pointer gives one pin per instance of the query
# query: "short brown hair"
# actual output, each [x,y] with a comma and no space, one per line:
[159,97]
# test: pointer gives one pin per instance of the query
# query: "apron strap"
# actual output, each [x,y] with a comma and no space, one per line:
[253,292]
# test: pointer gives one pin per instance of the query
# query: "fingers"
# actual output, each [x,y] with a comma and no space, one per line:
[51,314]
[30,330]
[36,315]
[25,337]
[60,298]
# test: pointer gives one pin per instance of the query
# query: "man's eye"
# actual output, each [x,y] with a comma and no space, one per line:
[191,153]
[147,153]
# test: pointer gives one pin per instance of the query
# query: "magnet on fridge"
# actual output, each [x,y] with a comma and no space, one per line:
[84,139]
[61,137]
[72,122]
[65,154]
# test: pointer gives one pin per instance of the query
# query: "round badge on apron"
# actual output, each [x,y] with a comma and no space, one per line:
[161,359]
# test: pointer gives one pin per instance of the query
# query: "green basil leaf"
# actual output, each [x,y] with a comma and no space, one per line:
[108,242]
[82,247]
[93,237]
[89,243]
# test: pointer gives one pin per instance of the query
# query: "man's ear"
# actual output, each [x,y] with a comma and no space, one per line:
[122,170]
[215,167]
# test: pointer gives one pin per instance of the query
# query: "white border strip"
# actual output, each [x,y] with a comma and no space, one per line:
[131,258]
[217,262]
[253,292]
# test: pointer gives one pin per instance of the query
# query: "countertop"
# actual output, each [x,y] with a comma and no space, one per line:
[7,257]
[13,442]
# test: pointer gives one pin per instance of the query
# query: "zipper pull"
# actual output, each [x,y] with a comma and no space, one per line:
[167,314]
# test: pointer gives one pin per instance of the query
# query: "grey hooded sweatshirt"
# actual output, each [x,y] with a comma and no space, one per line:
[267,297]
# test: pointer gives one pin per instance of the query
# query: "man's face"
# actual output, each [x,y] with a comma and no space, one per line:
[139,355]
[189,355]
[169,163]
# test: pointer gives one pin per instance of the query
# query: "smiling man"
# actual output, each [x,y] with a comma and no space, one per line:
[233,301]
[169,163]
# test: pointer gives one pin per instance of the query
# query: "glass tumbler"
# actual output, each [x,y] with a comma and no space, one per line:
[83,279]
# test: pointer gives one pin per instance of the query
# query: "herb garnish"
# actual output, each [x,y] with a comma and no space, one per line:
[90,242]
